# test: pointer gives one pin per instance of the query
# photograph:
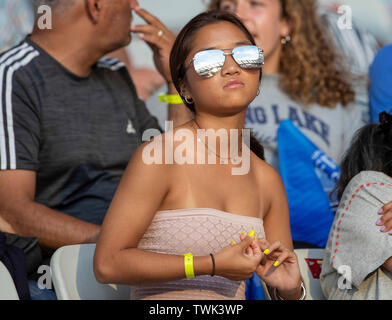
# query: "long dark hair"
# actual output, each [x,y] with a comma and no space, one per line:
[311,71]
[183,45]
[371,149]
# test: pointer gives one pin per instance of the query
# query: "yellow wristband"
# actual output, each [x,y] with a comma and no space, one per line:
[188,263]
[170,98]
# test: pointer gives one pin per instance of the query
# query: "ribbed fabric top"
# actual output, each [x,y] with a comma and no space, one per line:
[201,231]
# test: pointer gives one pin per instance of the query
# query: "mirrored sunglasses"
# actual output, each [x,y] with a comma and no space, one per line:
[209,62]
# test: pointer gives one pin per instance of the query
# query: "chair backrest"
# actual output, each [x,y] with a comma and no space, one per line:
[310,261]
[73,276]
[7,286]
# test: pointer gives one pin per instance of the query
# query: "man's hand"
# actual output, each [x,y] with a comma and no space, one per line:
[159,38]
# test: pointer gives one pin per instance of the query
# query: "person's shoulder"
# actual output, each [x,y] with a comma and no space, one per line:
[266,174]
[372,181]
[152,153]
[370,176]
[19,60]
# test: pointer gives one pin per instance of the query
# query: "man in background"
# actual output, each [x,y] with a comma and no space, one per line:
[70,120]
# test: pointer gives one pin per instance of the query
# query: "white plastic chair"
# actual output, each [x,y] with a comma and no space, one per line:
[313,287]
[7,286]
[73,276]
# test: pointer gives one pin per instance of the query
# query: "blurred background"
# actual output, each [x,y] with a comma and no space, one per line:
[16,20]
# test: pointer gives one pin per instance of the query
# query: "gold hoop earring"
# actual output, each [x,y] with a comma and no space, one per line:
[285,40]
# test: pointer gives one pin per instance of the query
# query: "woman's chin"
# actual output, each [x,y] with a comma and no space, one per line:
[232,108]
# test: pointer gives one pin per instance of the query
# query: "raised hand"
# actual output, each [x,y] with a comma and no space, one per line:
[159,38]
[279,268]
[238,261]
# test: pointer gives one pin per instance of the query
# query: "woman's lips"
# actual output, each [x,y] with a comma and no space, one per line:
[233,84]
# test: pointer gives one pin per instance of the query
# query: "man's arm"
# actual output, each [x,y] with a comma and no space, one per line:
[20,214]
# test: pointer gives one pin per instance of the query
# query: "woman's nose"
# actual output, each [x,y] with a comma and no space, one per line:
[230,66]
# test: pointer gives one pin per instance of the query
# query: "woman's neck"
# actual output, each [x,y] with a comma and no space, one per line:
[229,125]
[207,121]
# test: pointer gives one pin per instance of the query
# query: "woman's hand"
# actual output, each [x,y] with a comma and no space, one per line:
[385,222]
[279,269]
[159,38]
[239,261]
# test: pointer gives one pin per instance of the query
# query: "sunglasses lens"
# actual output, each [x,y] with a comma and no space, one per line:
[207,63]
[248,57]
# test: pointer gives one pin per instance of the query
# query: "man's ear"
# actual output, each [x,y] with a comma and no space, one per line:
[94,8]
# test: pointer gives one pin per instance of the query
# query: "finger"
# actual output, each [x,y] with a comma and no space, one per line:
[256,249]
[385,218]
[149,18]
[281,258]
[232,243]
[264,245]
[146,28]
[249,252]
[246,242]
[154,41]
[386,226]
[386,207]
[276,246]
[242,236]
[286,257]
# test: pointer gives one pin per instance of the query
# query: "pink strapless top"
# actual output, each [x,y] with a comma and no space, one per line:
[201,231]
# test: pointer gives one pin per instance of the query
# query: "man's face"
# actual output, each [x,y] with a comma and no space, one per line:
[116,22]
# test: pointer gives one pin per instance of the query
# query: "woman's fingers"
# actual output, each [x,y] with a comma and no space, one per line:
[385,222]
[386,207]
[282,257]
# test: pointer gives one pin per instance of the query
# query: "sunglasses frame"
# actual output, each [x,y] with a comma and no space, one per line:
[212,72]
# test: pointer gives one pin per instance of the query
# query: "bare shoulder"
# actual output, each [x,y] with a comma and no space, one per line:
[149,156]
[157,154]
[266,175]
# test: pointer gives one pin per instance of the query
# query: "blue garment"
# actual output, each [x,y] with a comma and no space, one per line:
[304,168]
[380,94]
[254,289]
[40,294]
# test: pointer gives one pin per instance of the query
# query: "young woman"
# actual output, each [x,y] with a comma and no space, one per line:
[303,81]
[303,77]
[358,259]
[163,212]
